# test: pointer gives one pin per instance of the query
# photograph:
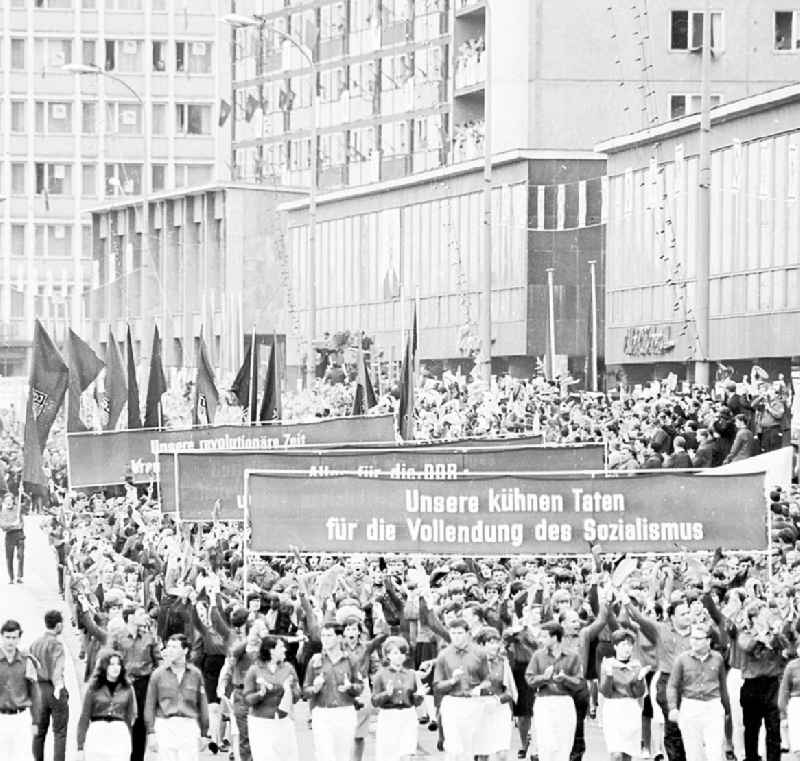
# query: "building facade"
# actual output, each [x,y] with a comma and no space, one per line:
[214,266]
[754,259]
[418,241]
[70,140]
[402,84]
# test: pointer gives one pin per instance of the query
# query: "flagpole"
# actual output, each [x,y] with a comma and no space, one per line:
[402,323]
[277,379]
[593,372]
[551,327]
[251,408]
[416,315]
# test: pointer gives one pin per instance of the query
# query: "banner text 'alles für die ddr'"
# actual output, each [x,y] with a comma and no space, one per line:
[202,479]
[505,514]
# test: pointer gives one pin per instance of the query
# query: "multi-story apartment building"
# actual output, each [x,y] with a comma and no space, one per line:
[70,139]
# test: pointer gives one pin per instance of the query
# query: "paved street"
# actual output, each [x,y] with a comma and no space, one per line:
[28,602]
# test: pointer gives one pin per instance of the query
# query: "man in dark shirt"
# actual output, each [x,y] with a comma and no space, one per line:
[51,658]
[704,457]
[176,708]
[19,694]
[554,675]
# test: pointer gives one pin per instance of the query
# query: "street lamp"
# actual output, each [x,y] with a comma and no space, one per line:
[86,69]
[238,21]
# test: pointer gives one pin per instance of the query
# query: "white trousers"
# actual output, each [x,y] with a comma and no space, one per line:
[178,739]
[461,723]
[333,730]
[272,739]
[396,733]
[16,736]
[735,681]
[554,719]
[702,725]
[107,741]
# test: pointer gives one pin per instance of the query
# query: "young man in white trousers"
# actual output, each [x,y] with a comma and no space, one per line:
[697,695]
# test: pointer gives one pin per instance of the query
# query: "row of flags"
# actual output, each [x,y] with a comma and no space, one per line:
[59,377]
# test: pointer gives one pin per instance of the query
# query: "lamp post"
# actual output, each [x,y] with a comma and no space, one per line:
[238,21]
[485,328]
[82,69]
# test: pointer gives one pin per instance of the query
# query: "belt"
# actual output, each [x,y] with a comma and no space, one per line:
[107,718]
[12,711]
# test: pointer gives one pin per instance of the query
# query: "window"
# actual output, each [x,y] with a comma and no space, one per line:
[89,52]
[192,119]
[17,54]
[56,179]
[159,5]
[88,5]
[787,30]
[88,117]
[53,118]
[158,119]
[192,174]
[193,57]
[18,241]
[686,30]
[54,4]
[18,116]
[681,105]
[54,241]
[19,185]
[89,180]
[124,118]
[51,54]
[159,175]
[159,55]
[123,179]
[124,55]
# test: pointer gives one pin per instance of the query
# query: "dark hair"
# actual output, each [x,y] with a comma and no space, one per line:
[268,644]
[458,623]
[10,625]
[392,642]
[487,634]
[673,606]
[127,612]
[741,419]
[52,619]
[621,635]
[99,678]
[554,630]
[184,642]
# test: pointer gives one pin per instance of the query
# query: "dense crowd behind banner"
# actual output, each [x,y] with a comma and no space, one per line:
[202,479]
[101,459]
[501,514]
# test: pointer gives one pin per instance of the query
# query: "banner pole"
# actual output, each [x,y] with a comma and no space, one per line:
[251,407]
[245,529]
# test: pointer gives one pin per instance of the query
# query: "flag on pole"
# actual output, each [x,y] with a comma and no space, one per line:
[271,400]
[224,112]
[364,398]
[113,399]
[246,380]
[84,366]
[405,417]
[134,411]
[49,378]
[205,389]
[156,385]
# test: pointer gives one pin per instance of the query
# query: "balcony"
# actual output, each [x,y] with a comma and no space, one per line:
[332,48]
[467,8]
[363,172]
[364,40]
[396,33]
[395,167]
[470,76]
[332,177]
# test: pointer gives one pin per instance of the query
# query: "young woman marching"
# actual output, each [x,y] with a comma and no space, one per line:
[622,684]
[396,692]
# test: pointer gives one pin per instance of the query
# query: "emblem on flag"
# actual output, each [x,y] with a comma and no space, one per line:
[39,402]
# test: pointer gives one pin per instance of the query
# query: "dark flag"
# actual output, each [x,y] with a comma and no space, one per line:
[250,108]
[49,379]
[115,395]
[224,112]
[405,421]
[205,389]
[134,411]
[365,394]
[156,385]
[84,366]
[271,400]
[246,381]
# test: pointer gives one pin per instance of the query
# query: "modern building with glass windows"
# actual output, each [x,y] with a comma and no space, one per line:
[71,139]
